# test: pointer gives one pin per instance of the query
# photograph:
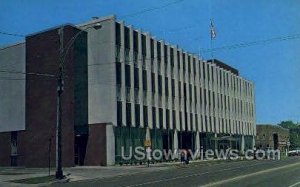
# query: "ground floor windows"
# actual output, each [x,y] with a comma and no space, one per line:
[129,138]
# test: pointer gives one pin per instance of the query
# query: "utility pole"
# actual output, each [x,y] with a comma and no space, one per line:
[49,156]
[60,89]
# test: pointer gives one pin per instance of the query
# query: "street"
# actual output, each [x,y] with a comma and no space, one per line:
[284,172]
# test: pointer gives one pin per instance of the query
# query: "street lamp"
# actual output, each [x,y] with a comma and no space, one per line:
[60,90]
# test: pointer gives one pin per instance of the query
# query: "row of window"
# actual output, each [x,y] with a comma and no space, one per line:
[166,82]
[191,61]
[211,101]
[137,110]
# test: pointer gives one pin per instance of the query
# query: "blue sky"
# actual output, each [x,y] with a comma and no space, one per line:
[274,67]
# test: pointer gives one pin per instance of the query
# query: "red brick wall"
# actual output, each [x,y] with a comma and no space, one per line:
[42,56]
[96,145]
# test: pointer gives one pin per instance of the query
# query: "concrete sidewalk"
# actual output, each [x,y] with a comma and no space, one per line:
[9,174]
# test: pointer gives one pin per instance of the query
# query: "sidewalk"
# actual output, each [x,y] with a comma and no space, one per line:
[9,174]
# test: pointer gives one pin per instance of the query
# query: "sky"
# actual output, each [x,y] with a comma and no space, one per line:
[269,32]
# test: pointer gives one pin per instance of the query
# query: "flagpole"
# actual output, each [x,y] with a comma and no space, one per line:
[212,36]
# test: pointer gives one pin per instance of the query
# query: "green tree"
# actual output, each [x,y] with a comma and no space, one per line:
[294,133]
[288,124]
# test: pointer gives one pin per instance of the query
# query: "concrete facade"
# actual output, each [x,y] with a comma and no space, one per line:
[12,84]
[142,82]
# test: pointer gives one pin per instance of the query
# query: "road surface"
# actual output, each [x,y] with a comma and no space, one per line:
[273,173]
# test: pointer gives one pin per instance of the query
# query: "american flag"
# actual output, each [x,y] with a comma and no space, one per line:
[212,30]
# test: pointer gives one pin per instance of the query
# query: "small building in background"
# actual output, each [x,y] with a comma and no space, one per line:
[272,137]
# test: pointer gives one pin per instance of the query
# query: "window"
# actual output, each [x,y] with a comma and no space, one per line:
[145,113]
[166,86]
[184,91]
[127,76]
[178,59]
[191,92]
[180,119]
[194,65]
[172,57]
[191,119]
[136,78]
[127,38]
[220,81]
[206,124]
[118,73]
[158,51]
[135,41]
[199,69]
[128,114]
[213,101]
[186,120]
[154,117]
[160,117]
[195,93]
[152,48]
[173,87]
[204,74]
[168,118]
[119,113]
[153,82]
[189,64]
[183,62]
[174,118]
[196,121]
[118,34]
[137,115]
[160,84]
[212,73]
[144,51]
[201,100]
[144,80]
[209,73]
[179,89]
[205,99]
[166,54]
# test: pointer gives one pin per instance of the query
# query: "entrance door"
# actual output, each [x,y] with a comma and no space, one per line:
[275,141]
[186,140]
[80,149]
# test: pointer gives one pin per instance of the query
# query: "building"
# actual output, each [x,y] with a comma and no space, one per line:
[119,84]
[272,137]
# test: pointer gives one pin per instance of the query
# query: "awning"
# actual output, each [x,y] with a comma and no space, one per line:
[228,138]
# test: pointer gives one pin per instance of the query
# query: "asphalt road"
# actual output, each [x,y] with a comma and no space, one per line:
[242,173]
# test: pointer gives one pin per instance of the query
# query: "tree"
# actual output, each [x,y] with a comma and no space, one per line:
[288,124]
[294,133]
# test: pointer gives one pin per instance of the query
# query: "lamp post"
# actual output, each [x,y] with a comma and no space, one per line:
[60,90]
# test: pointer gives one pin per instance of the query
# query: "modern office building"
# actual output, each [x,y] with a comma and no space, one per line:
[120,83]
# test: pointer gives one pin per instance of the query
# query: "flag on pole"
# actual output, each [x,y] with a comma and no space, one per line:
[212,30]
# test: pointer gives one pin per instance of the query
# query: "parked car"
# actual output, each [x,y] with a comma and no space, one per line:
[294,152]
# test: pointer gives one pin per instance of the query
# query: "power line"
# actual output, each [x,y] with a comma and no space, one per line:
[229,47]
[11,79]
[124,16]
[12,34]
[248,44]
[27,73]
[151,9]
